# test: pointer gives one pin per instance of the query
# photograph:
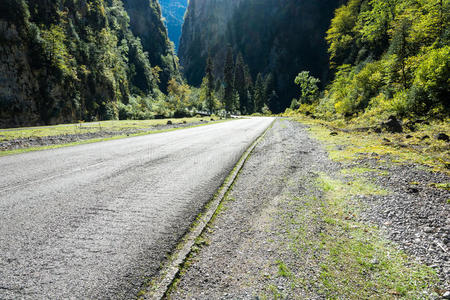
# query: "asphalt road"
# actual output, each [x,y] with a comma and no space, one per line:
[95,221]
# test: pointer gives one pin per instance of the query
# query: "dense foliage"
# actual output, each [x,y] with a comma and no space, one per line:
[68,60]
[390,57]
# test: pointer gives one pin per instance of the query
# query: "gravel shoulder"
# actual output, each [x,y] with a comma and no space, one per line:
[299,225]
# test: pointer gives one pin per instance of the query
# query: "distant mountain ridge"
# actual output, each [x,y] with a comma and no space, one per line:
[173,12]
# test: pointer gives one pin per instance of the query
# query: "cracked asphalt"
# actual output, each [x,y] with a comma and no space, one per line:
[96,221]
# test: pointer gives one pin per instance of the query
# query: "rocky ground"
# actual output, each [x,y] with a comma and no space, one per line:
[21,143]
[297,225]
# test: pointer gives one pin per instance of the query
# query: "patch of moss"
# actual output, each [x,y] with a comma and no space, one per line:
[444,186]
[358,171]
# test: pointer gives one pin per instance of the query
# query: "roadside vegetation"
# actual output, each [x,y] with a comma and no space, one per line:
[19,140]
[389,58]
[421,147]
[351,259]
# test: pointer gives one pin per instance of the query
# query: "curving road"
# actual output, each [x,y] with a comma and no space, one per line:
[94,221]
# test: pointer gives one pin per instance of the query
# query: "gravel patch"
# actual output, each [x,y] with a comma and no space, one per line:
[415,214]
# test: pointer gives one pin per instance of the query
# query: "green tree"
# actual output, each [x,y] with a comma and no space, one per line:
[228,81]
[241,84]
[341,35]
[308,86]
[269,90]
[259,93]
[400,48]
[208,85]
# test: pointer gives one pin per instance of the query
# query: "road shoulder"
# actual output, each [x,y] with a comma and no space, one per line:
[297,225]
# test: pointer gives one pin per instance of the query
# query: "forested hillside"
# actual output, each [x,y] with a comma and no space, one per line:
[391,57]
[173,12]
[275,37]
[69,60]
[72,60]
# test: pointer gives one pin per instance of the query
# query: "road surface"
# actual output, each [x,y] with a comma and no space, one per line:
[95,221]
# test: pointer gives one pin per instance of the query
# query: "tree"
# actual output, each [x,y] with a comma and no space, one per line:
[269,89]
[240,84]
[259,93]
[250,90]
[228,81]
[179,95]
[208,82]
[341,36]
[399,47]
[308,86]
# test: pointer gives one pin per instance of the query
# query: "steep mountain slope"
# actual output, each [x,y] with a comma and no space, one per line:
[278,37]
[63,61]
[173,12]
[146,23]
[204,31]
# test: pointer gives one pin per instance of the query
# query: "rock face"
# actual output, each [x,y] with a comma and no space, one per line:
[278,37]
[204,31]
[173,12]
[63,61]
[146,23]
[17,82]
[392,125]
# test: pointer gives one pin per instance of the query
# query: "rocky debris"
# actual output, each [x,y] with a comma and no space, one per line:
[442,137]
[392,125]
[416,216]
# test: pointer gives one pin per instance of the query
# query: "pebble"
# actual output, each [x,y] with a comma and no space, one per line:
[446,295]
[428,229]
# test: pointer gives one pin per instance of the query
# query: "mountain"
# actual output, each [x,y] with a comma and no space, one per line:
[68,60]
[275,37]
[146,23]
[173,12]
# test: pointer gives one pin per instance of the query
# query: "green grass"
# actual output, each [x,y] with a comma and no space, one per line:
[352,259]
[283,270]
[358,263]
[93,127]
[358,171]
[53,131]
[353,145]
[443,186]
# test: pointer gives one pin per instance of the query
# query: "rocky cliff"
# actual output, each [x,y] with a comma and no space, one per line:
[146,23]
[204,31]
[63,61]
[173,12]
[278,37]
